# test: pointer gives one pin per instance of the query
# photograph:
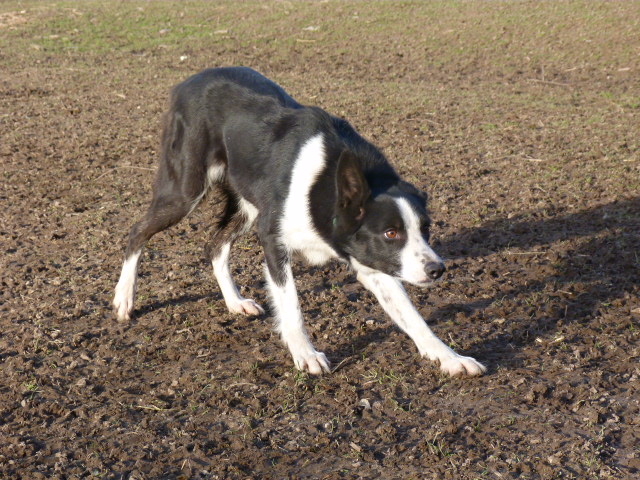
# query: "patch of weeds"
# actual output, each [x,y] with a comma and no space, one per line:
[499,302]
[300,377]
[437,446]
[511,420]
[482,475]
[478,426]
[286,407]
[31,386]
[259,415]
[254,368]
[404,405]
[592,461]
[355,453]
[382,377]
[250,423]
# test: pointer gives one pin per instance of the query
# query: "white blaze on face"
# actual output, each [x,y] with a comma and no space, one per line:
[416,253]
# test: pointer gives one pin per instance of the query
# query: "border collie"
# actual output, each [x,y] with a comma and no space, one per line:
[311,184]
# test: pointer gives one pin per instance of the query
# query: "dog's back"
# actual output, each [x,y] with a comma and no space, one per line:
[218,81]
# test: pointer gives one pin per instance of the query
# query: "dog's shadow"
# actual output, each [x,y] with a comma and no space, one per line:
[600,265]
[144,308]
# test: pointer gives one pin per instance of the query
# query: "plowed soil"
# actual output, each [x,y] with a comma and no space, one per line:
[521,121]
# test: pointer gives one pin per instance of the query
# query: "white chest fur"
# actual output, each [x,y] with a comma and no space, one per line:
[296,226]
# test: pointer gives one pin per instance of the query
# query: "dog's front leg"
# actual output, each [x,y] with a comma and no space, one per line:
[284,298]
[395,301]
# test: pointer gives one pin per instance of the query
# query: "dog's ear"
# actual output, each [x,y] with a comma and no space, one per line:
[353,189]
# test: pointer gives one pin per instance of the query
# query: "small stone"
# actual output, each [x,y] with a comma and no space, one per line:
[554,459]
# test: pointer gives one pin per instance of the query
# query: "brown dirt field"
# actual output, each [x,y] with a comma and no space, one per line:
[521,120]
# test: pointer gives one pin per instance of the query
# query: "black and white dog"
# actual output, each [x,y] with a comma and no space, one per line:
[311,184]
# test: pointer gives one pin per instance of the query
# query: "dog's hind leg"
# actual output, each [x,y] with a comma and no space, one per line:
[164,212]
[181,183]
[237,219]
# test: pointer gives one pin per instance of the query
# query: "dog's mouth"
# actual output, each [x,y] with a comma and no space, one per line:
[422,284]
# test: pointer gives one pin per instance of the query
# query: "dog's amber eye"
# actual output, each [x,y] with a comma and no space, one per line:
[391,234]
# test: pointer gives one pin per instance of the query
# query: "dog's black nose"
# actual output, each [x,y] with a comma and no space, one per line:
[435,269]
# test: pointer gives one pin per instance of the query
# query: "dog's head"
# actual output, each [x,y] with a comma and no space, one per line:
[387,232]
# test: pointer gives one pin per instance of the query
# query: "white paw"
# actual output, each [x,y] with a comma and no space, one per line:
[126,288]
[460,365]
[315,363]
[123,302]
[246,306]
